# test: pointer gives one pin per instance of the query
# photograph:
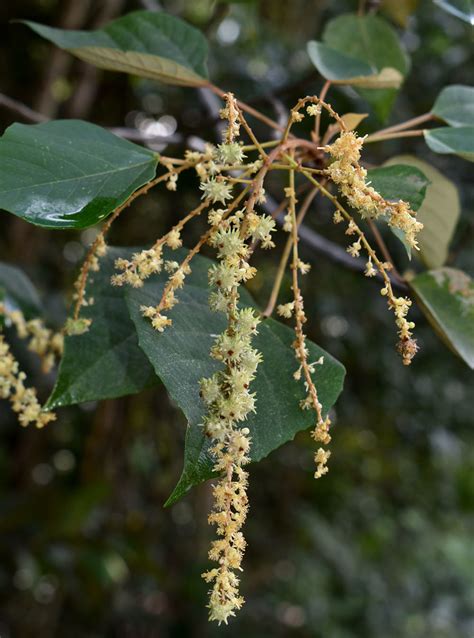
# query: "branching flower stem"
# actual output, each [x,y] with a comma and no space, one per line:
[99,242]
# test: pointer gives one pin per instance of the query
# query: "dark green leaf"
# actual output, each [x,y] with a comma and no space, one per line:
[372,40]
[68,173]
[181,358]
[463,9]
[400,181]
[344,69]
[106,361]
[397,182]
[146,43]
[447,140]
[455,105]
[446,296]
[18,291]
[439,212]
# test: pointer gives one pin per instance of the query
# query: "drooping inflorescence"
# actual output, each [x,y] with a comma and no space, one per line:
[44,342]
[232,180]
[351,178]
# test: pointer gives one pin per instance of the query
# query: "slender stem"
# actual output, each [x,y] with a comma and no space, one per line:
[391,136]
[381,267]
[252,147]
[383,247]
[299,314]
[286,255]
[415,121]
[86,266]
[194,251]
[251,134]
[317,122]
[249,109]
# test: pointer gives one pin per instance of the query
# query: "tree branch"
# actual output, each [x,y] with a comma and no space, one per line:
[21,109]
[128,133]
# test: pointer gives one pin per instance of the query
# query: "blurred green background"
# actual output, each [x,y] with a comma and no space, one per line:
[382,547]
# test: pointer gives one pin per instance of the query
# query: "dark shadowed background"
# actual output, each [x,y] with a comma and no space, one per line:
[382,547]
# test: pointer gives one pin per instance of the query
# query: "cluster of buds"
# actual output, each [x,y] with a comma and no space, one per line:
[351,179]
[24,401]
[46,343]
[400,306]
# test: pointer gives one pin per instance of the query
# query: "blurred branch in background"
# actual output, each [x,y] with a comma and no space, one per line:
[73,16]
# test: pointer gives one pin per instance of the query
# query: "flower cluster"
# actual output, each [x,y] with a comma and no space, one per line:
[234,230]
[351,178]
[295,308]
[407,346]
[77,325]
[46,343]
[23,400]
[229,400]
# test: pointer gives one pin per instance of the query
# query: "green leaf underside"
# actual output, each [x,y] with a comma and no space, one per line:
[439,212]
[446,296]
[344,69]
[149,44]
[462,9]
[105,362]
[68,173]
[372,40]
[181,358]
[455,105]
[397,182]
[17,291]
[447,140]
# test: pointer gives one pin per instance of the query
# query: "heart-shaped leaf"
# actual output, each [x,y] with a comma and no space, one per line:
[439,212]
[455,105]
[446,296]
[397,182]
[181,358]
[456,141]
[68,173]
[106,361]
[149,44]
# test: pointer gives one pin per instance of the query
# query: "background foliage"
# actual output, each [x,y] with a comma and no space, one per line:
[383,544]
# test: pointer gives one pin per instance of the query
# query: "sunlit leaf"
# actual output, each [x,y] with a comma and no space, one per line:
[68,173]
[149,44]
